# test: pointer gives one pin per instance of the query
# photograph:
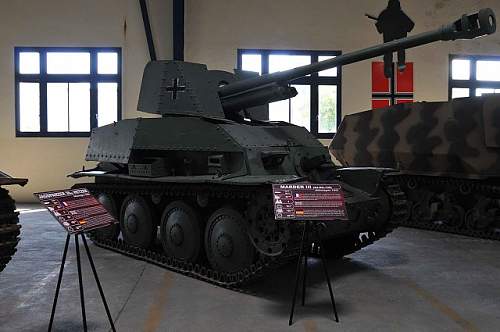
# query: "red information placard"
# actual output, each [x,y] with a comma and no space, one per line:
[76,210]
[307,201]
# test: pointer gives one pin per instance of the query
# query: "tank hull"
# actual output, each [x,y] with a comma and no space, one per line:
[449,153]
[203,187]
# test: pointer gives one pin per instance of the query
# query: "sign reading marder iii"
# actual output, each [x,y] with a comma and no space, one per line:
[203,172]
[309,201]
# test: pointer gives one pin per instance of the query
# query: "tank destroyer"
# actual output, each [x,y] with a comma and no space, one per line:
[202,172]
[9,220]
[449,153]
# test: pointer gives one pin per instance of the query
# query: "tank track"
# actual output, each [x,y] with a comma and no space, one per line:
[199,271]
[454,187]
[399,206]
[233,281]
[9,228]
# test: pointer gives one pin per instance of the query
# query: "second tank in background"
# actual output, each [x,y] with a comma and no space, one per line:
[449,153]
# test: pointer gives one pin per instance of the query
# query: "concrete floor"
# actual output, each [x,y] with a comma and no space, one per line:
[412,280]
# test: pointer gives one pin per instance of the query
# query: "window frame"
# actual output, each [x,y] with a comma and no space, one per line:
[472,83]
[43,78]
[314,80]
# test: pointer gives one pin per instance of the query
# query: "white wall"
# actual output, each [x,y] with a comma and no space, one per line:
[215,29]
[113,23]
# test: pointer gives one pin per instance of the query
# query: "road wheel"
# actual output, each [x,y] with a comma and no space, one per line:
[181,231]
[227,244]
[137,221]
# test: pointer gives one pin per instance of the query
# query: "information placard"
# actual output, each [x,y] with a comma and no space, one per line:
[76,210]
[307,201]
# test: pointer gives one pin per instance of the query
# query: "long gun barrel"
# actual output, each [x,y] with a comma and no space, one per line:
[467,27]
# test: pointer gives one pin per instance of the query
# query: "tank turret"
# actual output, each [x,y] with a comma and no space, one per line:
[182,88]
[202,172]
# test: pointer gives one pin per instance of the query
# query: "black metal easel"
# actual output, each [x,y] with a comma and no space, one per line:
[82,299]
[306,244]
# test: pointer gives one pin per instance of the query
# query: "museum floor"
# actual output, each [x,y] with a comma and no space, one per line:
[412,280]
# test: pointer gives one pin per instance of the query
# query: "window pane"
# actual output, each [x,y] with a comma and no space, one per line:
[107,103]
[29,107]
[480,92]
[29,63]
[281,62]
[483,91]
[460,69]
[460,93]
[329,72]
[68,63]
[107,63]
[57,107]
[68,107]
[279,111]
[488,70]
[301,107]
[79,107]
[327,113]
[251,62]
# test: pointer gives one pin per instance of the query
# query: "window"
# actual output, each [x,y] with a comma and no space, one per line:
[473,75]
[66,91]
[317,105]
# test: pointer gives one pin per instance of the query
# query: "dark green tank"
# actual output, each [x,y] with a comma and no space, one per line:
[202,172]
[9,221]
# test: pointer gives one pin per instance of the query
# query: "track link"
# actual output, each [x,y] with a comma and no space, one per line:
[452,186]
[9,228]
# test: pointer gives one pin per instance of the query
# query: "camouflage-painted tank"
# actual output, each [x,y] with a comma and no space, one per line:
[202,172]
[448,151]
[9,221]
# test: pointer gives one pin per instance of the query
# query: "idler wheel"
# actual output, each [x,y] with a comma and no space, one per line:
[137,222]
[227,244]
[180,231]
[111,232]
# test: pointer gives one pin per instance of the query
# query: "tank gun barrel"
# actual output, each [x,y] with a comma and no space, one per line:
[467,27]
